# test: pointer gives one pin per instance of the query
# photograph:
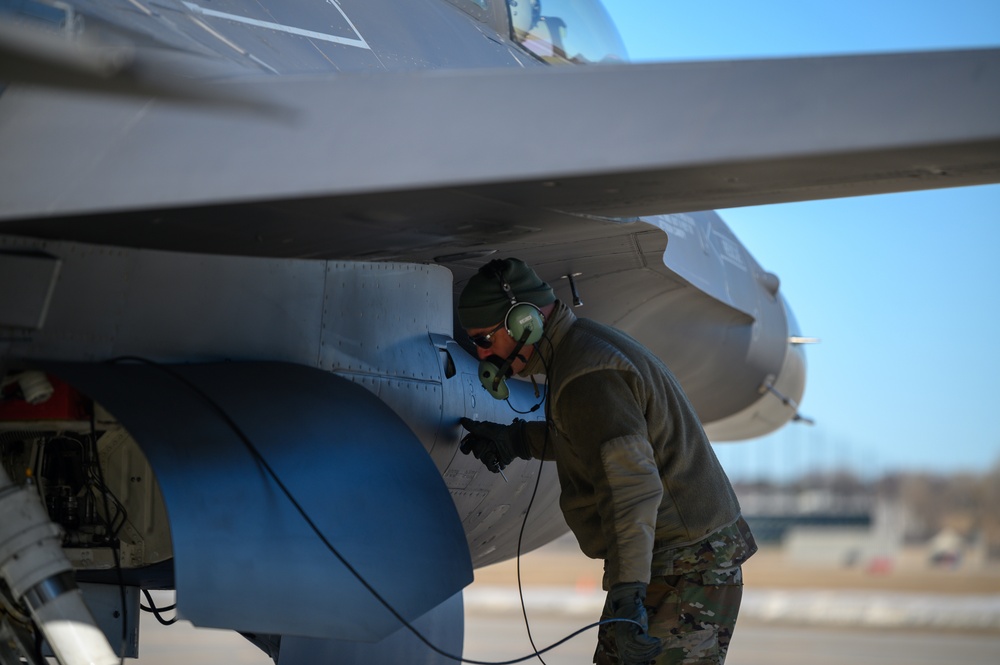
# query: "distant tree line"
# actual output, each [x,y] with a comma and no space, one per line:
[966,503]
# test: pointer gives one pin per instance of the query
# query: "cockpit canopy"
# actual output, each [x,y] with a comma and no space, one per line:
[566,31]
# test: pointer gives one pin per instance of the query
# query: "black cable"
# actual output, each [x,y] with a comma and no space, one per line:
[515,410]
[531,501]
[39,654]
[252,449]
[541,401]
[156,610]
[113,541]
[121,514]
[520,537]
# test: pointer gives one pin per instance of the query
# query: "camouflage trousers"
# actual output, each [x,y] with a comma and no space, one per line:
[694,620]
[693,609]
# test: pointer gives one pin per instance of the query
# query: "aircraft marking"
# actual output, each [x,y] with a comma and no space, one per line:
[680,226]
[322,36]
[207,28]
[730,251]
[141,7]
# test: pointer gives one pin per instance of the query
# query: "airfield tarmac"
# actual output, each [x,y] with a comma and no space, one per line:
[793,614]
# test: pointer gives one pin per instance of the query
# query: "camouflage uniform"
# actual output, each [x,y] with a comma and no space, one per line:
[641,487]
[693,600]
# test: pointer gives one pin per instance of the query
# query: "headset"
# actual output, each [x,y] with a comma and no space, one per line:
[524,323]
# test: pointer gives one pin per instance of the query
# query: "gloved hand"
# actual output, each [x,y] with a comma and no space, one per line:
[635,645]
[493,444]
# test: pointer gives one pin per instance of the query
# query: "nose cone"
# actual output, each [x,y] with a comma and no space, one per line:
[780,392]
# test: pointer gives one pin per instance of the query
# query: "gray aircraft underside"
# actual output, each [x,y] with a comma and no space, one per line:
[237,229]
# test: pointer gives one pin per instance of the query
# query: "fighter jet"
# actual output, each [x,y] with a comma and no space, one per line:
[230,239]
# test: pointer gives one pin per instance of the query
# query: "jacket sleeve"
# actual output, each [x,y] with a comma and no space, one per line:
[537,439]
[603,417]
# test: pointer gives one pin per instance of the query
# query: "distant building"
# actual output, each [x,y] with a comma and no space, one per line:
[772,510]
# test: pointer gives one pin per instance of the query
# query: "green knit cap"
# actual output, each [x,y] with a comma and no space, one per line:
[483,302]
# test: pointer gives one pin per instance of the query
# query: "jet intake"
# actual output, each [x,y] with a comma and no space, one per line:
[256,460]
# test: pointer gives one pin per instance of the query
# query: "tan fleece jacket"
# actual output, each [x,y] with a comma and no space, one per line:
[637,472]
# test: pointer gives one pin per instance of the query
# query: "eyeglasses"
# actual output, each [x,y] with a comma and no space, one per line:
[485,341]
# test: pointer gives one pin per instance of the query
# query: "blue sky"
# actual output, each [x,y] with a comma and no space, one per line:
[902,289]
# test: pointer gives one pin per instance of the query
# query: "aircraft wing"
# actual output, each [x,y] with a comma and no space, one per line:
[415,164]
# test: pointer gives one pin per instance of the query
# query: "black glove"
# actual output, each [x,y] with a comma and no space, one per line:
[493,444]
[635,645]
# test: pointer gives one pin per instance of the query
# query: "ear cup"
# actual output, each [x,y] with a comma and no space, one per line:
[524,317]
[489,370]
